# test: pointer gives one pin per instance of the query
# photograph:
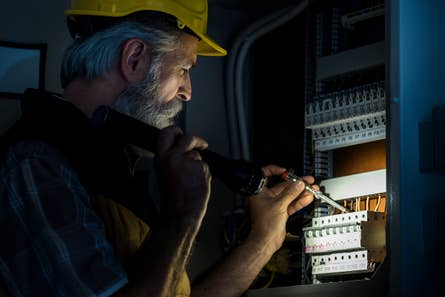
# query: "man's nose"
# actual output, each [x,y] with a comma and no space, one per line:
[185,89]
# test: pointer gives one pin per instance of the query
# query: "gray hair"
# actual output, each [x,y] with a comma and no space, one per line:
[96,55]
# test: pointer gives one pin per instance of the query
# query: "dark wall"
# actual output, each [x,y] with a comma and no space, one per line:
[278,96]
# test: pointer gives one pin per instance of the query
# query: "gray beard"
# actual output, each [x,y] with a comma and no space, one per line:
[142,102]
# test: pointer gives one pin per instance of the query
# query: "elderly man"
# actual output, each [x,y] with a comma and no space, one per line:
[67,190]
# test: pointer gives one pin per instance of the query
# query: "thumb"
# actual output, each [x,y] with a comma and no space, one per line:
[291,192]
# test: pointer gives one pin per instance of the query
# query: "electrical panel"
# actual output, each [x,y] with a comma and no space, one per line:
[352,132]
[342,125]
[345,122]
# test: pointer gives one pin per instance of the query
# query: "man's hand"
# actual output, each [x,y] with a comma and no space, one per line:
[184,178]
[271,208]
[185,184]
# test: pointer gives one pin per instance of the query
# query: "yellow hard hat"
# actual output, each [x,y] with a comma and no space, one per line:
[190,13]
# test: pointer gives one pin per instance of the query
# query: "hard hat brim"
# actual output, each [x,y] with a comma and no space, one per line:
[206,45]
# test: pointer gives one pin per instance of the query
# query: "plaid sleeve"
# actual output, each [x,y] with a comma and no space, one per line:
[53,243]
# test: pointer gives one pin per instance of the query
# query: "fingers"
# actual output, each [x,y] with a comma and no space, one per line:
[304,200]
[277,189]
[270,170]
[315,187]
[291,191]
[188,143]
[309,179]
[172,139]
[295,196]
[193,155]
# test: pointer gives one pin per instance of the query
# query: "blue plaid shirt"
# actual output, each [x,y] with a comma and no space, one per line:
[52,241]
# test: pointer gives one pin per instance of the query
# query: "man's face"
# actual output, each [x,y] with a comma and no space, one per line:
[157,99]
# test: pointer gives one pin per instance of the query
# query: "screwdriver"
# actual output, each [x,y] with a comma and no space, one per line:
[317,194]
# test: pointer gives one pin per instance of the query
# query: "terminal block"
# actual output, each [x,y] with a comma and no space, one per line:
[349,117]
[346,243]
[342,232]
[345,263]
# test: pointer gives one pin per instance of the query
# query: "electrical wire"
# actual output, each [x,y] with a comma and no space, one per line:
[304,262]
[226,237]
[225,233]
[306,269]
[378,204]
[269,282]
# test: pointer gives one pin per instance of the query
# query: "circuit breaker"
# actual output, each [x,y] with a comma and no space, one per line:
[346,243]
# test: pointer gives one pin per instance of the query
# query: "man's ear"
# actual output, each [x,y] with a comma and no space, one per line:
[134,60]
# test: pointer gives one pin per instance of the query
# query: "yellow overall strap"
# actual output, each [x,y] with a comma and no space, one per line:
[126,233]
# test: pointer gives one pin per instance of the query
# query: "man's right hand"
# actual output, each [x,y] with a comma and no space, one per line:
[271,208]
[183,177]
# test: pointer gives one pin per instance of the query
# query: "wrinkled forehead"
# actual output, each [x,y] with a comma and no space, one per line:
[186,51]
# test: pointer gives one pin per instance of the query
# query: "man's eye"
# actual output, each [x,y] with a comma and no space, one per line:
[184,71]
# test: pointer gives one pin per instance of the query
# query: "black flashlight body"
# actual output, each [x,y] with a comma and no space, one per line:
[240,176]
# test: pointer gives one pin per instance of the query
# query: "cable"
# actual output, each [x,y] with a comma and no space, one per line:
[378,204]
[306,269]
[226,237]
[232,113]
[225,232]
[235,74]
[367,203]
[269,282]
[305,262]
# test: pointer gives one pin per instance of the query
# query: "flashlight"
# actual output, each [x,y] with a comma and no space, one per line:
[240,176]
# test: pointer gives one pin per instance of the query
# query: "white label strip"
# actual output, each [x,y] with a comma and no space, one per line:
[357,185]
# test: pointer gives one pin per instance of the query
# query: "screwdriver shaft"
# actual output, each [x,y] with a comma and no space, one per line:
[317,194]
